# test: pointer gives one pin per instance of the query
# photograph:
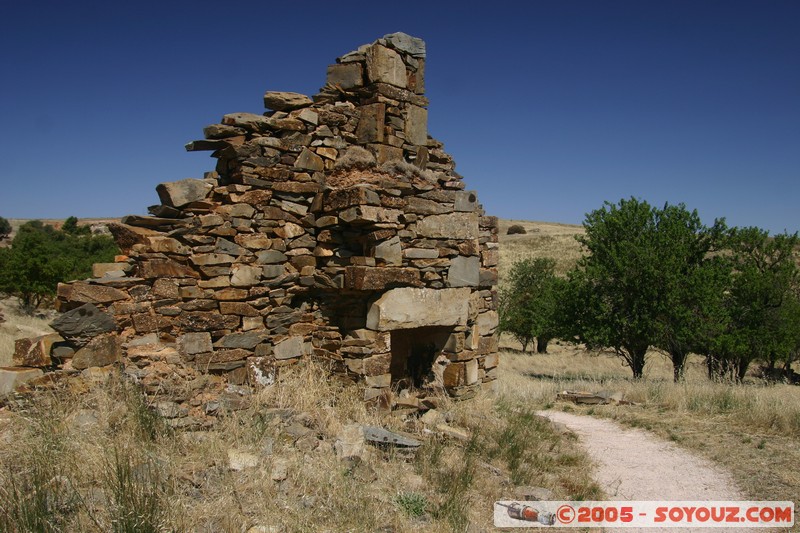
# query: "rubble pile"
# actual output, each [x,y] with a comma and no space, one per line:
[333,227]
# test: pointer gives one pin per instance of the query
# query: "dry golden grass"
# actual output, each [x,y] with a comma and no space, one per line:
[543,239]
[753,430]
[113,456]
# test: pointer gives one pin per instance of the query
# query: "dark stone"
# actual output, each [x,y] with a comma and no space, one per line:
[84,322]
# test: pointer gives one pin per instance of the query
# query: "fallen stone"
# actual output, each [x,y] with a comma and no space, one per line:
[183,192]
[239,460]
[381,436]
[35,351]
[285,101]
[102,350]
[13,377]
[280,470]
[350,443]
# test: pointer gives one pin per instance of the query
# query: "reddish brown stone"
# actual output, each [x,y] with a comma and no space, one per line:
[369,278]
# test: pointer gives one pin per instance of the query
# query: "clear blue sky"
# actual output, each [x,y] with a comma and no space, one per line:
[549,107]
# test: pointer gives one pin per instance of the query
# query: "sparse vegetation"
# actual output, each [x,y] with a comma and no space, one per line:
[121,476]
[530,302]
[5,228]
[355,157]
[41,256]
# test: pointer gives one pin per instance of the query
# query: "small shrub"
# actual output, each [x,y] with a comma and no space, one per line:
[5,228]
[401,167]
[412,504]
[516,229]
[357,158]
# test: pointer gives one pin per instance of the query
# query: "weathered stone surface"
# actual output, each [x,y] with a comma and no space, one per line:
[285,101]
[247,340]
[416,128]
[308,160]
[165,268]
[84,322]
[406,308]
[466,201]
[421,253]
[403,42]
[464,272]
[357,195]
[368,278]
[35,351]
[449,226]
[191,344]
[487,322]
[82,292]
[385,66]
[346,75]
[364,214]
[290,347]
[102,350]
[245,275]
[13,377]
[371,124]
[390,251]
[183,192]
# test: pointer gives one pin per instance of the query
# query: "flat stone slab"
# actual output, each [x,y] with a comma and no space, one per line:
[406,308]
[13,377]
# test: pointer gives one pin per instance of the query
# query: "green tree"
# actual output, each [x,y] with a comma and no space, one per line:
[5,228]
[529,304]
[645,282]
[760,303]
[40,257]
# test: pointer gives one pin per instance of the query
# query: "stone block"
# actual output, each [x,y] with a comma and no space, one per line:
[466,201]
[416,125]
[366,214]
[165,268]
[371,123]
[191,344]
[285,101]
[35,351]
[346,75]
[291,347]
[83,292]
[390,251]
[183,192]
[406,308]
[245,275]
[487,323]
[385,66]
[375,278]
[100,351]
[308,160]
[84,322]
[464,272]
[13,377]
[449,226]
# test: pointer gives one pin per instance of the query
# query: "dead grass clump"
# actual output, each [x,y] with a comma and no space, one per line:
[355,157]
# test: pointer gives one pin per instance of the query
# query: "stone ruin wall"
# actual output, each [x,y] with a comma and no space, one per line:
[332,228]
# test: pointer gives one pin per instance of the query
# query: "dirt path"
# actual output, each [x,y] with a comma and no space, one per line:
[635,465]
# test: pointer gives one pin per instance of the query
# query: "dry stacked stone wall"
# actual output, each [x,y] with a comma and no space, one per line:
[333,227]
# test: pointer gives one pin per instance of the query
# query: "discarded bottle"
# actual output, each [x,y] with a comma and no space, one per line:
[529,514]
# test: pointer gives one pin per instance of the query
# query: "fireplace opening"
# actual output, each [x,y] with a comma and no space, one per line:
[414,352]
